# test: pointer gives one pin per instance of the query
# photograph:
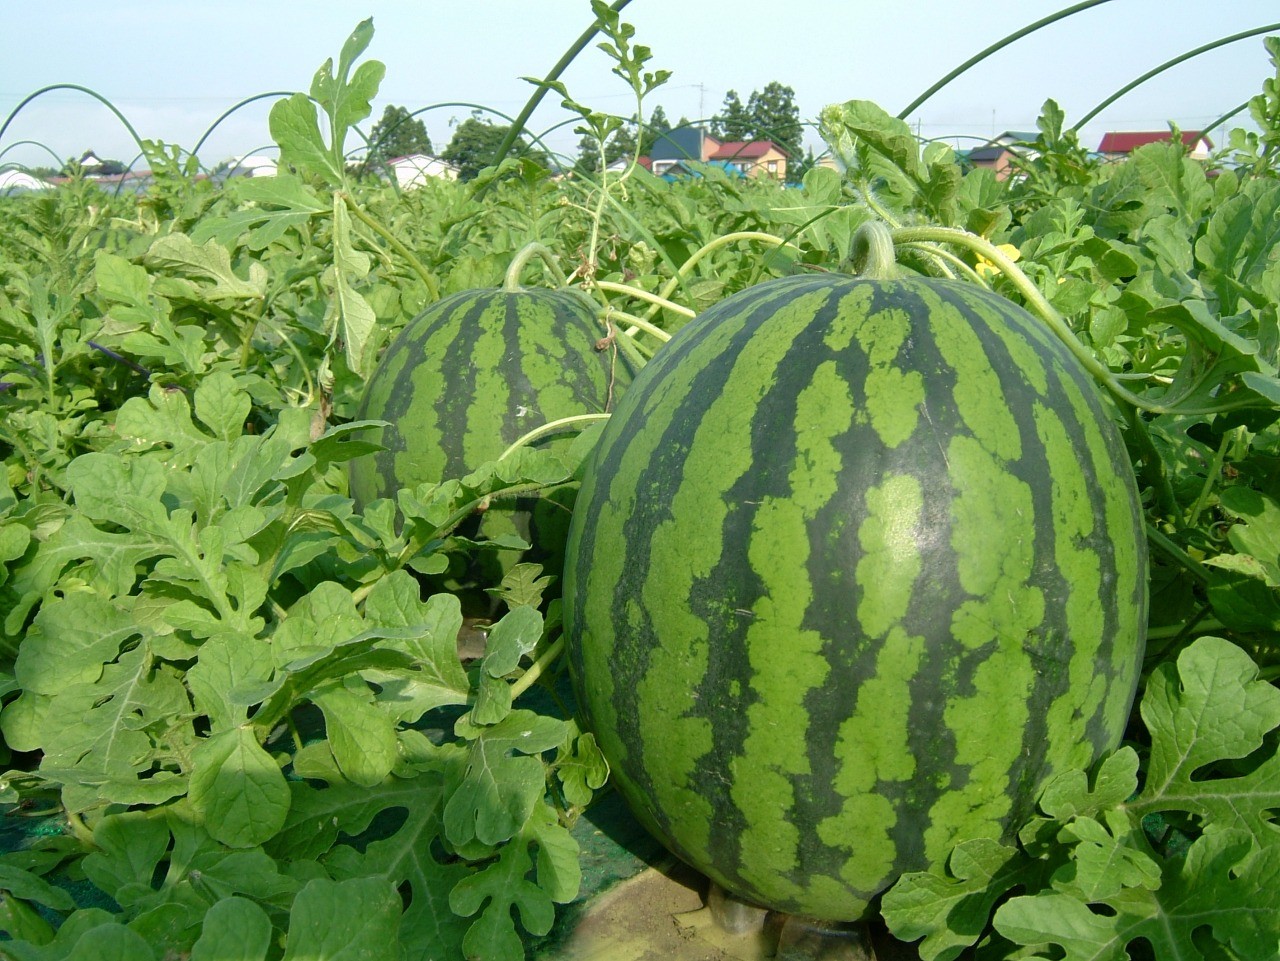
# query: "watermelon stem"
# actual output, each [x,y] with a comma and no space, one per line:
[1211,478]
[657,299]
[757,236]
[1153,471]
[1174,631]
[872,252]
[1160,541]
[537,668]
[943,257]
[511,282]
[638,323]
[82,831]
[622,341]
[419,540]
[553,427]
[1037,302]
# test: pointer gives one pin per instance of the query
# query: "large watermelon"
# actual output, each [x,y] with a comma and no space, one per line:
[857,566]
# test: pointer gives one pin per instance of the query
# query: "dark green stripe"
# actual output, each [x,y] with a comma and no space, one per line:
[649,434]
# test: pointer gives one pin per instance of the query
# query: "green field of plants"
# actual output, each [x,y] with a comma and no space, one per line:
[256,721]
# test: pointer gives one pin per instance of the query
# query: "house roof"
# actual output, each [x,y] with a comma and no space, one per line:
[1129,141]
[744,149]
[416,158]
[683,143]
[982,154]
[1015,136]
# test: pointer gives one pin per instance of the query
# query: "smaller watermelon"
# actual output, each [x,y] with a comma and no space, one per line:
[473,373]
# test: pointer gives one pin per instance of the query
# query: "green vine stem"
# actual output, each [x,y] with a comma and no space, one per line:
[658,300]
[624,342]
[1160,541]
[511,282]
[553,427]
[945,260]
[82,831]
[1207,625]
[1040,305]
[1153,471]
[872,252]
[683,271]
[537,668]
[639,323]
[246,336]
[869,198]
[1210,479]
[397,245]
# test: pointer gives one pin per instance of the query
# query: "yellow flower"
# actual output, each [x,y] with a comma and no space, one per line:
[987,267]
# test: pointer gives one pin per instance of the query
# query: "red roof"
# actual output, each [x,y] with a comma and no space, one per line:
[744,149]
[1127,142]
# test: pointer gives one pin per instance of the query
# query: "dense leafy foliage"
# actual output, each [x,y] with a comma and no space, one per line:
[264,739]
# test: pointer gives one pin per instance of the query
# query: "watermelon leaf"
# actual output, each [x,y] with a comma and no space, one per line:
[407,858]
[1105,868]
[234,928]
[505,885]
[270,208]
[511,639]
[504,779]
[1210,708]
[581,768]
[238,789]
[523,584]
[952,913]
[1217,885]
[335,920]
[352,318]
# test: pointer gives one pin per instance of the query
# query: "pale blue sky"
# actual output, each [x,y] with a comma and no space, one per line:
[172,68]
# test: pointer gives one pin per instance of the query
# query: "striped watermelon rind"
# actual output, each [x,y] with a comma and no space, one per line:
[856,567]
[472,374]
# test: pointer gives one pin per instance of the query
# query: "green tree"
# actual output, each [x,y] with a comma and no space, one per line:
[397,134]
[798,166]
[774,116]
[734,121]
[475,142]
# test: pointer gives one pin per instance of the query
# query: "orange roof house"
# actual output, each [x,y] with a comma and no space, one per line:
[754,158]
